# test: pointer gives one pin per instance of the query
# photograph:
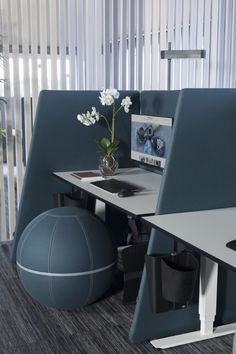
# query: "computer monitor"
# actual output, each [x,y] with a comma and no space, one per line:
[150,139]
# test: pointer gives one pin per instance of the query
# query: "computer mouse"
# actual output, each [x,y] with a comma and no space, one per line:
[232,245]
[125,193]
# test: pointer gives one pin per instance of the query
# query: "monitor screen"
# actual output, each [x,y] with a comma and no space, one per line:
[150,139]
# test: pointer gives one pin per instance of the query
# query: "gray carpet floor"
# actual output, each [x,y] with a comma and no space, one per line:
[29,327]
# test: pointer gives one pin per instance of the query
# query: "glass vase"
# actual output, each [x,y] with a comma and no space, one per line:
[108,165]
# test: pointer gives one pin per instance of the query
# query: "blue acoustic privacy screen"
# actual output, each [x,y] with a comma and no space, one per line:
[202,165]
[200,174]
[61,143]
[159,103]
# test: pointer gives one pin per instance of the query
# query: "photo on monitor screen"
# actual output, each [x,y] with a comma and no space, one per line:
[150,139]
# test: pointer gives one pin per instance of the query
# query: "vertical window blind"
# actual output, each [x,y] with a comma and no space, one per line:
[96,44]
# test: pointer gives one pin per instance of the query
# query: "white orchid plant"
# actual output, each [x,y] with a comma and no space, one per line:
[107,98]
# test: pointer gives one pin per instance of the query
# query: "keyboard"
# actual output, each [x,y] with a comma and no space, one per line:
[114,185]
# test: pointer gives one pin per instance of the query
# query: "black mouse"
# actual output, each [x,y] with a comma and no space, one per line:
[232,245]
[125,193]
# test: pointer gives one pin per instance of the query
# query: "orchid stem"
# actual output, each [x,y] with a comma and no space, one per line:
[108,125]
[118,109]
[113,124]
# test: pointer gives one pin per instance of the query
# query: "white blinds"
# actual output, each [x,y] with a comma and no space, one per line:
[95,44]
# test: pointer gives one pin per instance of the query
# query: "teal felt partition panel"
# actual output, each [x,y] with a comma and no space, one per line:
[61,143]
[159,103]
[201,168]
[200,174]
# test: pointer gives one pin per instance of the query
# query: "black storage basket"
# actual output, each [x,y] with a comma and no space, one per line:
[171,280]
[77,199]
[153,267]
[74,200]
[179,273]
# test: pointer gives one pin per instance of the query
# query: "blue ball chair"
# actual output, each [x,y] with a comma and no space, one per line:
[66,258]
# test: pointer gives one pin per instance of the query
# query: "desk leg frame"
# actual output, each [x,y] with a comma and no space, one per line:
[207,295]
[207,311]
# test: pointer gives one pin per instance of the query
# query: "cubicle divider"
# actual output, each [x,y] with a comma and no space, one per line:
[159,103]
[61,143]
[200,174]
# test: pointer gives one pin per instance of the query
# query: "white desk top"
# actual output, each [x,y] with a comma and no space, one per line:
[207,230]
[141,203]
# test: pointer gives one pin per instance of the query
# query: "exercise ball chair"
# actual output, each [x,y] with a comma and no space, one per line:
[65,258]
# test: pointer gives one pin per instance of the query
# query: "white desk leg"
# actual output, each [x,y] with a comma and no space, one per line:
[234,344]
[100,209]
[207,294]
[207,311]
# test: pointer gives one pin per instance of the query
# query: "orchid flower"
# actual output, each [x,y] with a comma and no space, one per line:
[107,98]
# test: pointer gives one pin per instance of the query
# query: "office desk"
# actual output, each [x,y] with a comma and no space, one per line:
[208,231]
[141,203]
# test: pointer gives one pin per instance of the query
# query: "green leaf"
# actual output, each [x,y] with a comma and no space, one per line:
[104,143]
[107,146]
[116,143]
[112,147]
